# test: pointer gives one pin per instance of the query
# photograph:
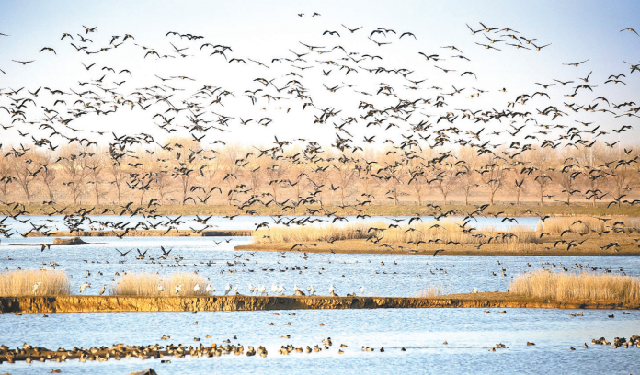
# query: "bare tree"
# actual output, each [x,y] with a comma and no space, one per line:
[25,170]
[6,176]
[95,164]
[48,172]
[344,176]
[74,165]
[493,173]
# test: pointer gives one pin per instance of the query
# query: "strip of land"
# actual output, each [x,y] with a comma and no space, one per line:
[364,247]
[145,233]
[102,304]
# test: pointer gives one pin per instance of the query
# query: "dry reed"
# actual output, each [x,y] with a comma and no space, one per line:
[433,291]
[21,283]
[442,233]
[544,284]
[146,285]
[587,224]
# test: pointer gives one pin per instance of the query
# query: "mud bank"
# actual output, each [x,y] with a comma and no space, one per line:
[366,248]
[145,233]
[93,304]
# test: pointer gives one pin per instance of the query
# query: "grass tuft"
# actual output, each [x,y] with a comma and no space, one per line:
[146,285]
[21,283]
[544,284]
[431,292]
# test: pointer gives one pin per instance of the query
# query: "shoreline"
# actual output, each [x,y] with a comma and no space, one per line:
[364,248]
[145,233]
[104,304]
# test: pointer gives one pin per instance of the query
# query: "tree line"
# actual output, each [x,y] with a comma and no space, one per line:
[289,175]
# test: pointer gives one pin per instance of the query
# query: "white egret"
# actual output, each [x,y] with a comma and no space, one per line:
[84,286]
[35,287]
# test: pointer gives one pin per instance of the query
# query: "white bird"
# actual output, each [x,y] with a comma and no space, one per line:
[209,289]
[160,288]
[235,288]
[332,291]
[103,289]
[35,287]
[251,288]
[227,289]
[178,287]
[274,288]
[311,289]
[281,289]
[196,288]
[84,286]
[362,290]
[262,290]
[297,291]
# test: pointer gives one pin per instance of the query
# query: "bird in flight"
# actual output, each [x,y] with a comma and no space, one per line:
[630,29]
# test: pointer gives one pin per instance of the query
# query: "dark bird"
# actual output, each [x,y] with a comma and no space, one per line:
[630,29]
[409,34]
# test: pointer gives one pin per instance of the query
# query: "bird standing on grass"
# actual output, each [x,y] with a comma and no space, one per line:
[35,287]
[332,291]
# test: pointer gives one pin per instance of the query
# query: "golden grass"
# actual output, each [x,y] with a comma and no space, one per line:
[433,291]
[21,283]
[439,233]
[586,224]
[146,285]
[544,284]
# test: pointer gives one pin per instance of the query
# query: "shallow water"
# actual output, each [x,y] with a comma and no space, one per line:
[380,275]
[469,333]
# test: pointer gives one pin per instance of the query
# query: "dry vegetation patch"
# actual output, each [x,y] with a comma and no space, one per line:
[23,283]
[442,233]
[544,284]
[146,285]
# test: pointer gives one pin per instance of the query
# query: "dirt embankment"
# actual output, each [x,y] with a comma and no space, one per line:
[363,247]
[93,304]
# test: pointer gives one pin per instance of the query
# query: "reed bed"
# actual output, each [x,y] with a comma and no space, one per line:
[587,224]
[430,292]
[439,233]
[22,282]
[146,285]
[544,284]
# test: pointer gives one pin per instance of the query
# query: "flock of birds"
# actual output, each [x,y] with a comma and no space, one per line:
[44,117]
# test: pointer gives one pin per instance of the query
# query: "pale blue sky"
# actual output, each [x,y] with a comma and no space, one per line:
[579,30]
